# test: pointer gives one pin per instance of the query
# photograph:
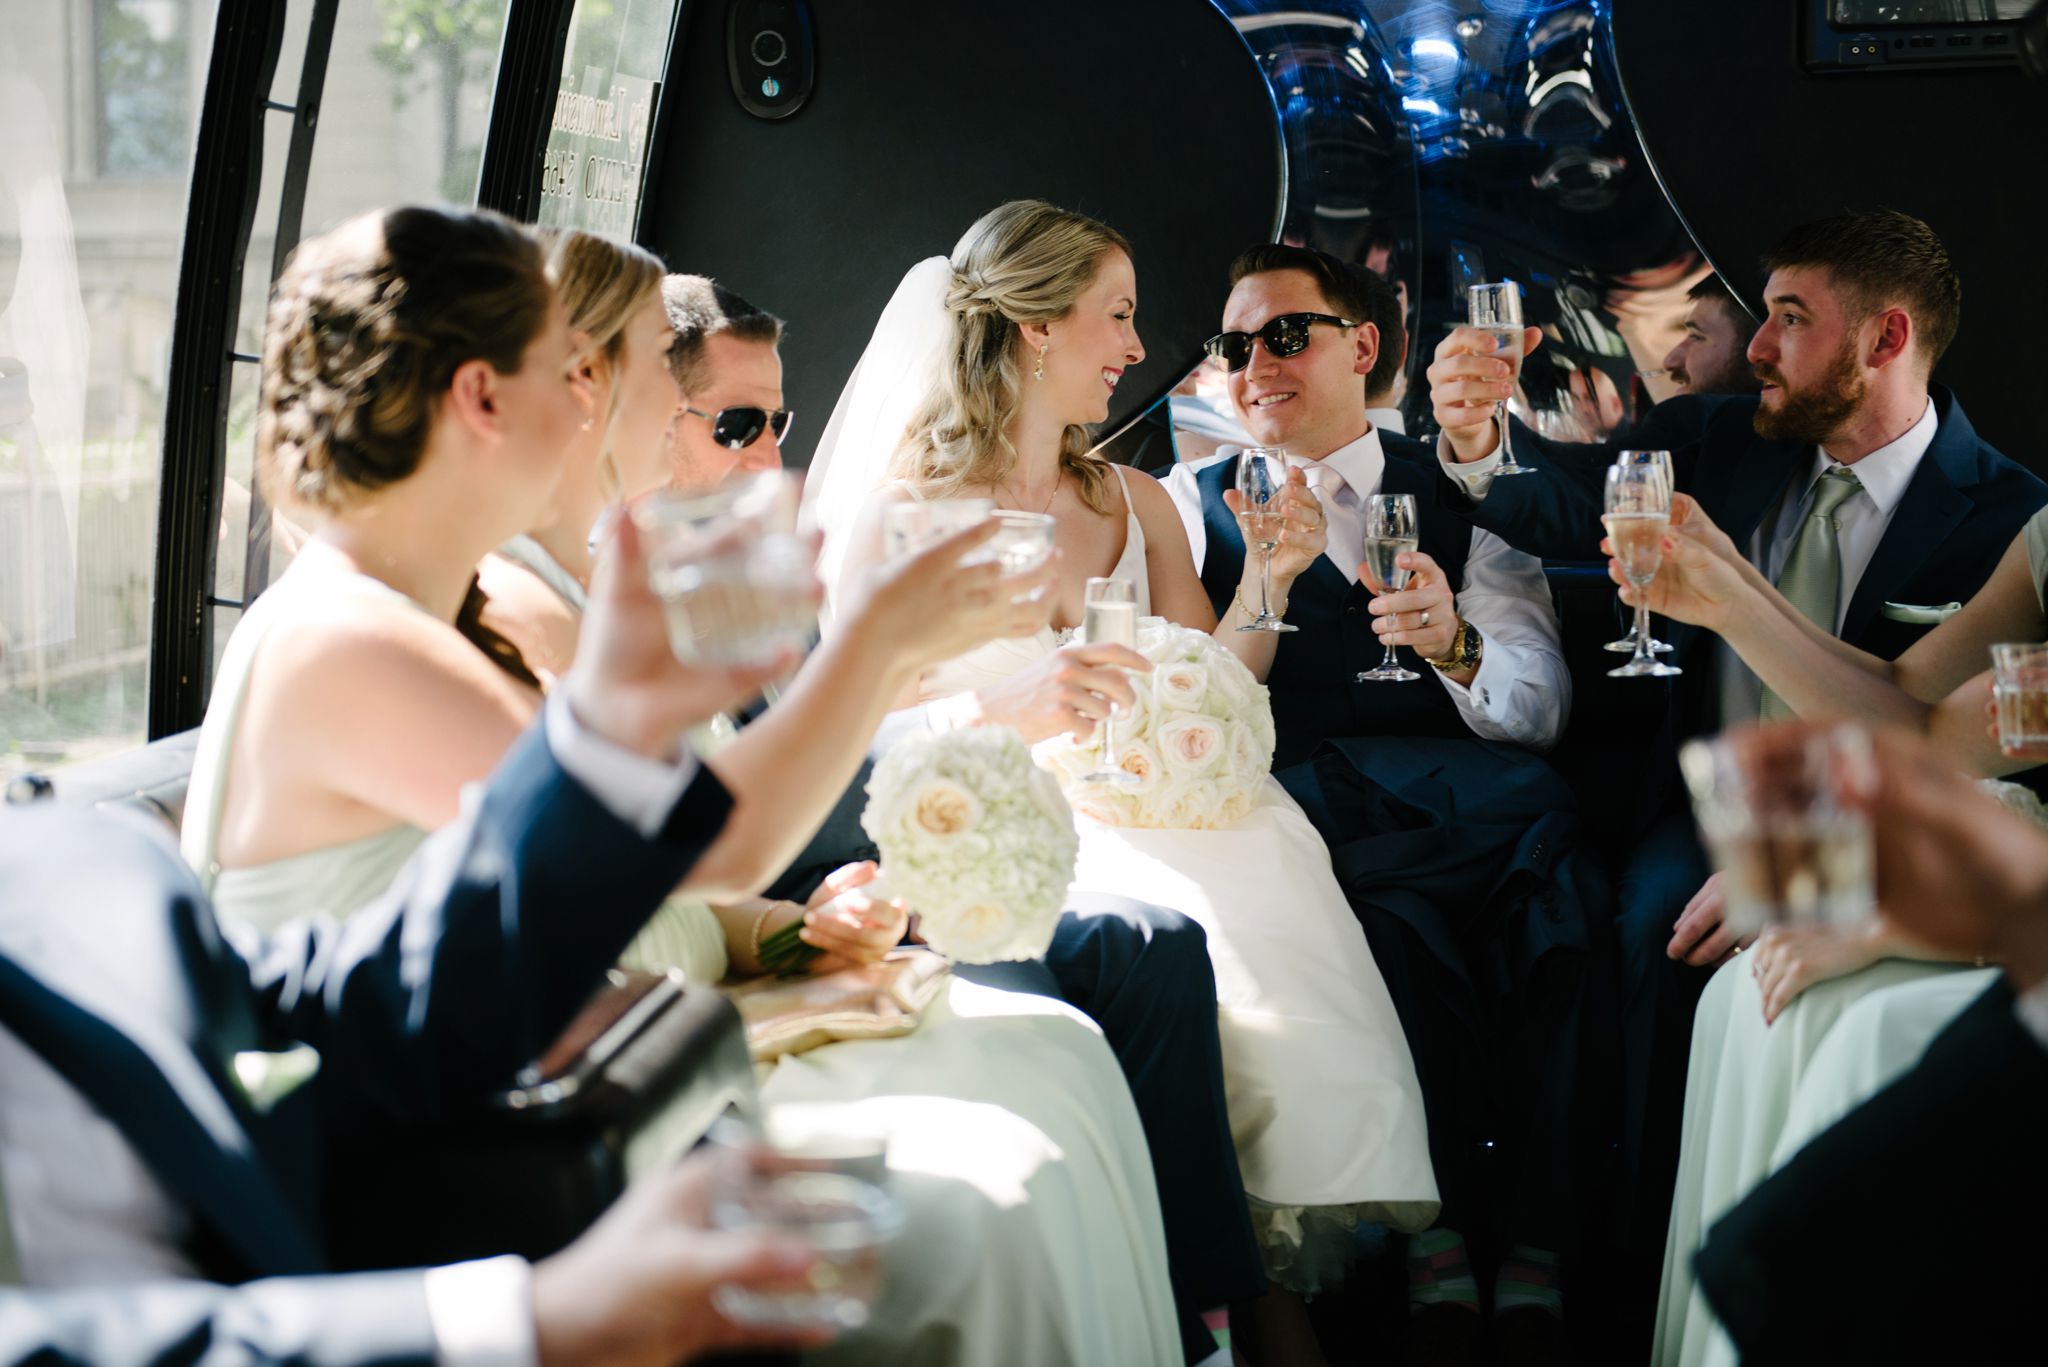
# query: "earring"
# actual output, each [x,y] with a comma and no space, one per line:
[1039,373]
[589,422]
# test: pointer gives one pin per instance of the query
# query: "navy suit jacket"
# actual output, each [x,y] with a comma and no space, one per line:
[1960,513]
[494,936]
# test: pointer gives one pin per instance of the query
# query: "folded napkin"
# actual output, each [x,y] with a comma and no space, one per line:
[877,1001]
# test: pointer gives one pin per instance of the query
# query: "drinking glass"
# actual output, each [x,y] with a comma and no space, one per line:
[911,526]
[1662,460]
[1782,811]
[1638,511]
[1261,475]
[1022,541]
[1109,616]
[737,582]
[1390,529]
[826,1187]
[2019,684]
[1497,311]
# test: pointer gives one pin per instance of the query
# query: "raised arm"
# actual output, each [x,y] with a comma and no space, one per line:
[1933,688]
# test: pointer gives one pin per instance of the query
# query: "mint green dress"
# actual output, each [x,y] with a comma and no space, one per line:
[1755,1094]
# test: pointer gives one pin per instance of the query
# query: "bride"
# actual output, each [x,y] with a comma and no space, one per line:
[980,380]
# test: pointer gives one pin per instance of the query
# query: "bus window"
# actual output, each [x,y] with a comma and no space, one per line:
[99,100]
[596,158]
[407,95]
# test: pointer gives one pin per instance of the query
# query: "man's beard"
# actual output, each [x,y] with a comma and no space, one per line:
[1810,416]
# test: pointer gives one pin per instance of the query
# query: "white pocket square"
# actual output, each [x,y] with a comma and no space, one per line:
[1921,616]
[268,1078]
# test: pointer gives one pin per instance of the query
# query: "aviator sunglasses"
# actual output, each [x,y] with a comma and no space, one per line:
[738,428]
[1286,335]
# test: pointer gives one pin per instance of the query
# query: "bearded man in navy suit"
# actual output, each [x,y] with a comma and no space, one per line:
[1851,481]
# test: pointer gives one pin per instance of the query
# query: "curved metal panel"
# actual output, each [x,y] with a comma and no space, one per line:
[1751,143]
[1148,114]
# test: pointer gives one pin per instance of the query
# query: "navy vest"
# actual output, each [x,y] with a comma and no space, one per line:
[1315,693]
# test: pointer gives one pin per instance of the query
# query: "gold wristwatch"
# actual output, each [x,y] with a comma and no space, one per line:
[1466,648]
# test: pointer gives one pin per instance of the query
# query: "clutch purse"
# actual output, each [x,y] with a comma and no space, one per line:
[875,1001]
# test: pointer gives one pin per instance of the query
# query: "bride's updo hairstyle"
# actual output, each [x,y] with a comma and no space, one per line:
[1024,262]
[367,327]
[602,284]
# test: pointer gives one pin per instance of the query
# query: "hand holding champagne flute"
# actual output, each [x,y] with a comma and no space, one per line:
[1391,531]
[1662,461]
[1496,310]
[1261,480]
[1638,513]
[1109,616]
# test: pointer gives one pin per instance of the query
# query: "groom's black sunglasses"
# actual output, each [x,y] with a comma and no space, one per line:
[738,428]
[1286,335]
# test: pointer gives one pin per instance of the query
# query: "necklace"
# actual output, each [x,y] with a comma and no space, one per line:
[1058,479]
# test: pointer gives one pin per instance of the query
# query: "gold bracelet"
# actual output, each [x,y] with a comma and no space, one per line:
[1237,594]
[754,936]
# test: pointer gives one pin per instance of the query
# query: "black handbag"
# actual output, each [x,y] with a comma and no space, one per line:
[634,1082]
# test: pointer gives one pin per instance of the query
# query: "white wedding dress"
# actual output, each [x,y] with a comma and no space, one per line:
[1324,1104]
[1032,1231]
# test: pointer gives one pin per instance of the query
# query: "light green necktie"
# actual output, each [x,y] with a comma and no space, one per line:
[10,1264]
[1812,577]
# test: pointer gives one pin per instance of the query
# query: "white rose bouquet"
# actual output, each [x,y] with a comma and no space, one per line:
[1199,739]
[977,839]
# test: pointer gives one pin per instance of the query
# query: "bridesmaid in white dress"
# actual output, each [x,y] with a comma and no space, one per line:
[291,813]
[1015,344]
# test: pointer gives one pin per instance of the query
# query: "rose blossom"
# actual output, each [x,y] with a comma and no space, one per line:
[1191,744]
[942,808]
[1181,687]
[1137,758]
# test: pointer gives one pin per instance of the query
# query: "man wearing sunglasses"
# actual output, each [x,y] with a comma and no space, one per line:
[731,420]
[1427,791]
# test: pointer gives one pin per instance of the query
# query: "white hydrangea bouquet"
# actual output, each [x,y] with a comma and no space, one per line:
[976,838]
[1199,739]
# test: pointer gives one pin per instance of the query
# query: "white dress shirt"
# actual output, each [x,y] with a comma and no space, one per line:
[1861,523]
[84,1209]
[1522,691]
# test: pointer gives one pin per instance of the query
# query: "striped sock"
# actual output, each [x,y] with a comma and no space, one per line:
[1439,1271]
[1529,1278]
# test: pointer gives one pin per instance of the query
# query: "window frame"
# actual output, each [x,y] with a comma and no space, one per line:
[227,182]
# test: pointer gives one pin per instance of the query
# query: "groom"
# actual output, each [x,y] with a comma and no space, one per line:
[1141,972]
[1449,835]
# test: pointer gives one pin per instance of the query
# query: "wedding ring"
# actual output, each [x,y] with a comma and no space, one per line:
[1425,618]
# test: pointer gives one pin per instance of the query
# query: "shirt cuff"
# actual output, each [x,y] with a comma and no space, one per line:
[1474,477]
[637,790]
[482,1312]
[2033,1011]
[1487,694]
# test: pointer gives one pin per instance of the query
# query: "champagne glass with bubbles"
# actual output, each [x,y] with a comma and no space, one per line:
[1638,511]
[1109,616]
[1497,311]
[1390,529]
[1261,477]
[1662,460]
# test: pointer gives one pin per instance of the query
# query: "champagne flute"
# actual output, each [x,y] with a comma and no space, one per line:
[1109,616]
[1390,529]
[1662,460]
[1638,512]
[1497,311]
[1261,476]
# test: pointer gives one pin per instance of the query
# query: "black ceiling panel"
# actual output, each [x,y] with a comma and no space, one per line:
[1148,114]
